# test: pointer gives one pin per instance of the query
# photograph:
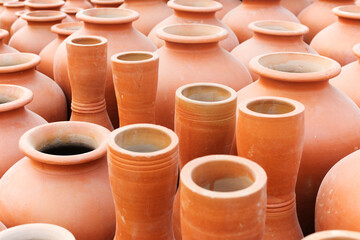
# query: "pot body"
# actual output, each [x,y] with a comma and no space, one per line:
[228,5]
[295,6]
[7,18]
[84,4]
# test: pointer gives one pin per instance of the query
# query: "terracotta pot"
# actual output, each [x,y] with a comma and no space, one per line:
[249,11]
[318,16]
[338,189]
[115,25]
[135,77]
[71,12]
[344,34]
[347,81]
[2,4]
[39,231]
[151,13]
[47,55]
[143,193]
[15,120]
[272,36]
[295,6]
[19,69]
[84,4]
[304,78]
[228,5]
[205,119]
[270,132]
[87,58]
[200,11]
[189,47]
[222,195]
[2,227]
[4,48]
[334,235]
[19,22]
[107,3]
[64,172]
[37,31]
[7,17]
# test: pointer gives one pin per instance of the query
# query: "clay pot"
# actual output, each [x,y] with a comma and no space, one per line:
[249,11]
[19,22]
[295,6]
[84,4]
[71,12]
[344,34]
[37,31]
[15,120]
[47,55]
[304,78]
[19,69]
[143,168]
[319,15]
[347,81]
[107,3]
[2,4]
[64,172]
[334,235]
[228,5]
[222,195]
[272,36]
[87,58]
[39,231]
[7,17]
[135,77]
[270,132]
[190,11]
[189,47]
[151,13]
[115,25]
[3,47]
[205,119]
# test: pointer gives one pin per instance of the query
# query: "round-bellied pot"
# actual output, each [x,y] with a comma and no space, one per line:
[344,34]
[8,17]
[84,4]
[305,78]
[143,168]
[205,119]
[64,172]
[37,31]
[189,11]
[135,77]
[47,55]
[334,235]
[347,81]
[115,25]
[189,47]
[39,231]
[151,13]
[15,119]
[249,11]
[71,12]
[87,58]
[19,22]
[228,5]
[272,36]
[319,15]
[270,132]
[222,195]
[107,3]
[19,69]
[295,6]
[4,48]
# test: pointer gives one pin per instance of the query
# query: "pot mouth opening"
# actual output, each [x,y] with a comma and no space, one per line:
[206,93]
[107,15]
[14,4]
[15,62]
[347,11]
[66,148]
[134,57]
[195,6]
[13,97]
[279,28]
[43,16]
[66,28]
[270,106]
[87,41]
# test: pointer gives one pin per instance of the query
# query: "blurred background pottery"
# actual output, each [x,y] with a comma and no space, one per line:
[295,6]
[4,48]
[8,17]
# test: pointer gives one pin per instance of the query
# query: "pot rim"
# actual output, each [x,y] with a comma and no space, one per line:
[332,68]
[120,15]
[101,41]
[107,2]
[21,12]
[3,34]
[32,141]
[347,11]
[66,28]
[44,5]
[153,57]
[260,178]
[43,16]
[31,61]
[293,29]
[14,4]
[210,6]
[71,10]
[2,2]
[330,234]
[23,97]
[212,33]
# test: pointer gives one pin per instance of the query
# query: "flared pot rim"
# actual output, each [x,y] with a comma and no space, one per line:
[17,97]
[278,28]
[115,15]
[200,6]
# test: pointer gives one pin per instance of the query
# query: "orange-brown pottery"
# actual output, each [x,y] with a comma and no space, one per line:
[5,1]
[84,4]
[4,48]
[107,3]
[295,6]
[71,12]
[143,168]
[135,77]
[334,235]
[228,5]
[19,22]
[270,132]
[8,17]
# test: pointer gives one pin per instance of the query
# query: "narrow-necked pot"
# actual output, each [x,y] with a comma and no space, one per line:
[8,17]
[222,195]
[64,172]
[4,48]
[334,235]
[107,3]
[143,198]
[272,36]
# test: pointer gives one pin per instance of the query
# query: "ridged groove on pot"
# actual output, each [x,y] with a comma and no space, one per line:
[334,235]
[135,77]
[40,231]
[107,3]
[222,195]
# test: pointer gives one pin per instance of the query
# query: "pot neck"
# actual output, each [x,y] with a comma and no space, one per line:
[277,38]
[47,8]
[348,21]
[192,47]
[108,27]
[271,82]
[194,15]
[261,2]
[44,24]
